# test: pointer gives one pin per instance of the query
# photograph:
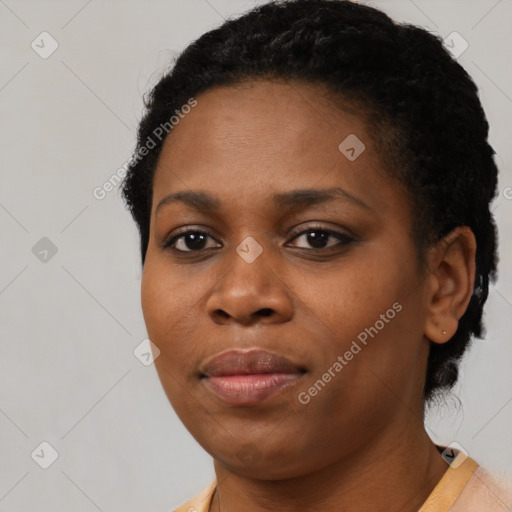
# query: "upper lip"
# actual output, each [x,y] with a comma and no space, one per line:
[247,362]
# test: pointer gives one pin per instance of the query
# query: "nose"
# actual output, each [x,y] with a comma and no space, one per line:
[250,293]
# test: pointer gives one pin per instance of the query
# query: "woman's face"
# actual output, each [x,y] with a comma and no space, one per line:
[327,278]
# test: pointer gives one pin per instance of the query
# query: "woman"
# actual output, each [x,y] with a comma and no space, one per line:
[317,247]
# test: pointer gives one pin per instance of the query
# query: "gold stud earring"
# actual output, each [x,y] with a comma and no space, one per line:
[444,332]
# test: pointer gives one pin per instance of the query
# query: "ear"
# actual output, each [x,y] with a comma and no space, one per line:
[451,279]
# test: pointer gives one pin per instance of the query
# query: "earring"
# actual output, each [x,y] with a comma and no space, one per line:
[444,332]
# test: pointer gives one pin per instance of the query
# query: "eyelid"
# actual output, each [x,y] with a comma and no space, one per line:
[295,233]
[343,232]
[168,240]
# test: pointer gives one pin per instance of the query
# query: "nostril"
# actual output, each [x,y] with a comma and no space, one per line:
[265,312]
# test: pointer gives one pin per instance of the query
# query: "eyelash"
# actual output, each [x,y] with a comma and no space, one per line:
[343,238]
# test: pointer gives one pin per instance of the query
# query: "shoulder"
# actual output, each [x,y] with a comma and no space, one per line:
[467,487]
[485,491]
[201,502]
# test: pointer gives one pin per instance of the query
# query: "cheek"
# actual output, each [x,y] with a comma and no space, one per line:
[353,295]
[168,306]
[370,310]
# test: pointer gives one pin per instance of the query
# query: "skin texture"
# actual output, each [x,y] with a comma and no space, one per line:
[360,443]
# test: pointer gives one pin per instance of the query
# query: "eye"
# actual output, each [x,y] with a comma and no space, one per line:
[319,238]
[189,241]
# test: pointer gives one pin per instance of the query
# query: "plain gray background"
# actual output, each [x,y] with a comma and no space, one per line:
[70,321]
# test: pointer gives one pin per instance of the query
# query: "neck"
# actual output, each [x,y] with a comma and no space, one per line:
[394,472]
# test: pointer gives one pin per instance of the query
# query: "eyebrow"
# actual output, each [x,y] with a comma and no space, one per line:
[295,199]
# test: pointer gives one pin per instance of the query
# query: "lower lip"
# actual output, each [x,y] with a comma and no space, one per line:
[250,389]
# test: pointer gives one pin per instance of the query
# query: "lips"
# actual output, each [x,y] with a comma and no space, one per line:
[249,377]
[238,362]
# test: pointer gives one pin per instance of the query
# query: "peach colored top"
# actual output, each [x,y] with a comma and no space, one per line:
[465,487]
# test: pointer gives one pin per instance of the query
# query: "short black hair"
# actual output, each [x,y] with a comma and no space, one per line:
[432,128]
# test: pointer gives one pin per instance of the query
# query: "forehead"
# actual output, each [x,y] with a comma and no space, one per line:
[243,118]
[249,140]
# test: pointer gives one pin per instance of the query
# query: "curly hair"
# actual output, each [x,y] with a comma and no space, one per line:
[421,106]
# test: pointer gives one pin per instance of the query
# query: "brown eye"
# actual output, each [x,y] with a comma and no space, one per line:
[190,241]
[319,238]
